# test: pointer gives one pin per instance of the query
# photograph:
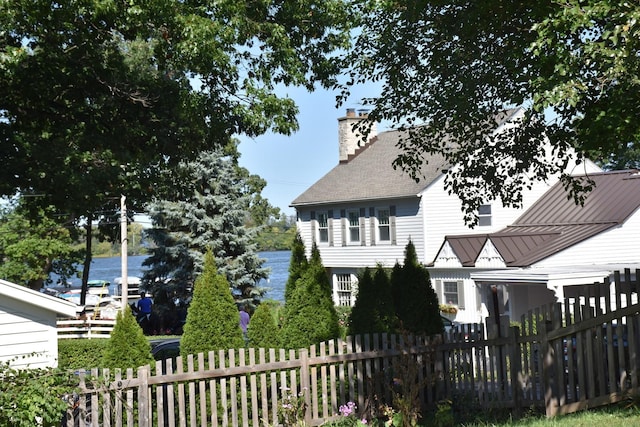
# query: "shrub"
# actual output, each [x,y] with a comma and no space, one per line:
[213,322]
[310,316]
[33,397]
[127,347]
[415,301]
[81,353]
[373,310]
[263,331]
[297,265]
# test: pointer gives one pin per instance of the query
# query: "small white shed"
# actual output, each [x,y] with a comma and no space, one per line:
[28,334]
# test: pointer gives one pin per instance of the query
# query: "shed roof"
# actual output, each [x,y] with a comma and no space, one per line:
[555,222]
[29,296]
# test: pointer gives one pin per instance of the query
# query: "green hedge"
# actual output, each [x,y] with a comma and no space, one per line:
[81,353]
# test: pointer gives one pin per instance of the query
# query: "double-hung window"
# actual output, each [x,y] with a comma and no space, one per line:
[354,226]
[450,291]
[484,215]
[323,227]
[384,228]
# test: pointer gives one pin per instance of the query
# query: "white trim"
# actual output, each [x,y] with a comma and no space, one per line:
[29,296]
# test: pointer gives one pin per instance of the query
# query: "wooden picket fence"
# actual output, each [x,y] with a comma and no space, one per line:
[580,353]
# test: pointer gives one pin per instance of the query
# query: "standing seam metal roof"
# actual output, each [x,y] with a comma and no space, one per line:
[555,222]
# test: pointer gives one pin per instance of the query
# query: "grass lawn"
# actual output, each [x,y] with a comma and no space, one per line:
[618,416]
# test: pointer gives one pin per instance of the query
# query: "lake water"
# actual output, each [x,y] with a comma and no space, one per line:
[110,268]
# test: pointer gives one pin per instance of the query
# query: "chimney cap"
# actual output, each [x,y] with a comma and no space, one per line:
[363,112]
[351,112]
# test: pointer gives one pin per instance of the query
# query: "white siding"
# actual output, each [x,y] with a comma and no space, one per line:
[355,256]
[472,312]
[443,215]
[615,246]
[26,329]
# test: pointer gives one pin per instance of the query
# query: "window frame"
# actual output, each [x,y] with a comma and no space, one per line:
[353,228]
[323,228]
[485,218]
[380,225]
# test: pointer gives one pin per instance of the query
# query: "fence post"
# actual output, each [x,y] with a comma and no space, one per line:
[144,403]
[304,384]
[516,368]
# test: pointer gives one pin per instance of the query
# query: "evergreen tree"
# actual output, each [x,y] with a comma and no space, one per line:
[297,265]
[209,211]
[212,320]
[310,315]
[128,347]
[415,301]
[373,310]
[263,330]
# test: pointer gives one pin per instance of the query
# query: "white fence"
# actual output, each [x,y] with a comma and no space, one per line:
[87,328]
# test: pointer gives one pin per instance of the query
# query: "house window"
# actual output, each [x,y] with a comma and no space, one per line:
[450,291]
[384,229]
[323,227]
[484,215]
[345,290]
[354,226]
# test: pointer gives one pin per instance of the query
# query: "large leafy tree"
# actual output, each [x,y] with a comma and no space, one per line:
[31,250]
[208,211]
[97,96]
[452,67]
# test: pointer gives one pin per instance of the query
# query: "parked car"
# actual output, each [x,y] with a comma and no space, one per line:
[166,348]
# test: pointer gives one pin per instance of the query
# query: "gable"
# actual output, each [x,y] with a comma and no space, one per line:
[36,299]
[489,256]
[555,222]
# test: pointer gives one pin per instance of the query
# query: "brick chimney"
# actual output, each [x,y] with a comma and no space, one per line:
[349,140]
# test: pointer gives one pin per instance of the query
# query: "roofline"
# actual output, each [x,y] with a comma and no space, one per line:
[36,298]
[351,201]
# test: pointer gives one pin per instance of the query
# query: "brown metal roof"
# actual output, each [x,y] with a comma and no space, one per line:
[467,248]
[555,222]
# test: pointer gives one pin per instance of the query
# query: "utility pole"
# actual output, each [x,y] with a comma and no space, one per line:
[124,285]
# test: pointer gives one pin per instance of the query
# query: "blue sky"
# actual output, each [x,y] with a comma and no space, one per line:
[290,164]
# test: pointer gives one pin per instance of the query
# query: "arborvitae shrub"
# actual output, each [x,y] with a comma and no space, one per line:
[213,322]
[310,315]
[127,347]
[297,265]
[415,301]
[373,310]
[263,331]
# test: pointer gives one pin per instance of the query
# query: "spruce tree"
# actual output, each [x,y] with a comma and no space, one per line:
[213,322]
[297,265]
[415,301]
[209,210]
[263,330]
[373,310]
[310,315]
[127,347]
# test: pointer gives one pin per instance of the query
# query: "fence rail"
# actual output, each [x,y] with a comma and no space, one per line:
[88,328]
[582,352]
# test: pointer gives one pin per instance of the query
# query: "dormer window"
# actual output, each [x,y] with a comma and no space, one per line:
[484,215]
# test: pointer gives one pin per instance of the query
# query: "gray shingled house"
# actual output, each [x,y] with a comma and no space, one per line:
[363,212]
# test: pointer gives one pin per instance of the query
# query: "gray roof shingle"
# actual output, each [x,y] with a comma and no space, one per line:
[369,175]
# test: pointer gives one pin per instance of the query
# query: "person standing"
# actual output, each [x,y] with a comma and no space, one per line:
[244,322]
[143,311]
